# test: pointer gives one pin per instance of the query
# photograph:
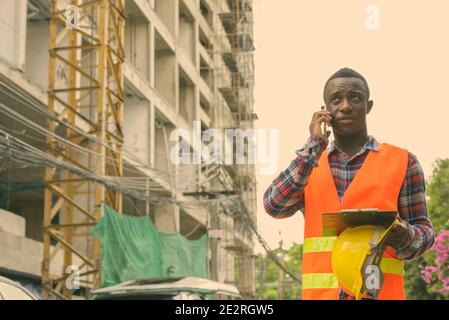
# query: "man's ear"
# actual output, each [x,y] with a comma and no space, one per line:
[370,106]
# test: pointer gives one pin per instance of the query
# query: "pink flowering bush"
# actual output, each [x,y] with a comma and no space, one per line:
[436,274]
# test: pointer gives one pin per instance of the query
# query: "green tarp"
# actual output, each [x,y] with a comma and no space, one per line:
[132,249]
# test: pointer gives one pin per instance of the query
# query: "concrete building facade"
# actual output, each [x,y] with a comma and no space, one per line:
[186,61]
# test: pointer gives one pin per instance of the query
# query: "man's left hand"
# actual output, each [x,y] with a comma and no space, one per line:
[398,234]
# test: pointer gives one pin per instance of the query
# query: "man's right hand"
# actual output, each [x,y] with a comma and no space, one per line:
[316,124]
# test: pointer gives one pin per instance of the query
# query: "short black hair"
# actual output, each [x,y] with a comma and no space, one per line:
[347,73]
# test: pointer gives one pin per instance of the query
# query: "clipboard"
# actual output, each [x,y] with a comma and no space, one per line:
[336,222]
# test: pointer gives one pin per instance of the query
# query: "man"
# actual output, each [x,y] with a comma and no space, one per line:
[355,172]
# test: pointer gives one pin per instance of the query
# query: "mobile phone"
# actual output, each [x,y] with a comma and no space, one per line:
[324,124]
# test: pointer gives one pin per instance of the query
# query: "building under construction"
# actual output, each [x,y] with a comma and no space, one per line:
[91,93]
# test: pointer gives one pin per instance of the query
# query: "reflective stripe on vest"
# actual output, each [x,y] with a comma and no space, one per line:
[318,244]
[326,244]
[319,281]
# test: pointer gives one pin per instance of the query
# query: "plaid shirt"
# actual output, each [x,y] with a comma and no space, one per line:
[285,196]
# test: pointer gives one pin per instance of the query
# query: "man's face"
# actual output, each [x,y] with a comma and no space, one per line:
[346,99]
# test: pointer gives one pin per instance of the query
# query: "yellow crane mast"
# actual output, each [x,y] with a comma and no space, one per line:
[86,92]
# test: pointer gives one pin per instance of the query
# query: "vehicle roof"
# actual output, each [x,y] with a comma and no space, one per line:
[166,285]
[17,285]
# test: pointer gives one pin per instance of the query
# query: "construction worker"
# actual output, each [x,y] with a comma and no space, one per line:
[355,172]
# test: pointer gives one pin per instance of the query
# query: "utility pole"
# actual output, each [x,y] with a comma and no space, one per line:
[281,272]
[214,225]
[262,274]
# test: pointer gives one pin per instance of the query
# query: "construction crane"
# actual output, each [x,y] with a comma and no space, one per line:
[86,92]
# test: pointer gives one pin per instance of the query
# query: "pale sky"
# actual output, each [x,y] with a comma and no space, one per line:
[300,43]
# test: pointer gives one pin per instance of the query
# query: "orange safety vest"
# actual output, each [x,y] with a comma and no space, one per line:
[377,184]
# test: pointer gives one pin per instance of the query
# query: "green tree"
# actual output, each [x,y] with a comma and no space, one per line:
[438,209]
[267,277]
[415,287]
[438,192]
[268,274]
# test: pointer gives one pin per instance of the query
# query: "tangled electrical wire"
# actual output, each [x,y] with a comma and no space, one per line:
[24,155]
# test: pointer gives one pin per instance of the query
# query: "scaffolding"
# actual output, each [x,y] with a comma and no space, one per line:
[86,91]
[234,109]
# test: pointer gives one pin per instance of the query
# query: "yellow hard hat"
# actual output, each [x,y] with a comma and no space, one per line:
[354,251]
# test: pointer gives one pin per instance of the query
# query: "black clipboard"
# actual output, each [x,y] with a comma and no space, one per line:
[335,223]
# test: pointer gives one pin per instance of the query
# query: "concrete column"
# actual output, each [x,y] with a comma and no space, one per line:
[152,134]
[166,218]
[168,11]
[13,19]
[177,89]
[166,77]
[136,128]
[152,55]
[22,32]
[196,44]
[176,21]
[137,45]
[187,101]
[187,38]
